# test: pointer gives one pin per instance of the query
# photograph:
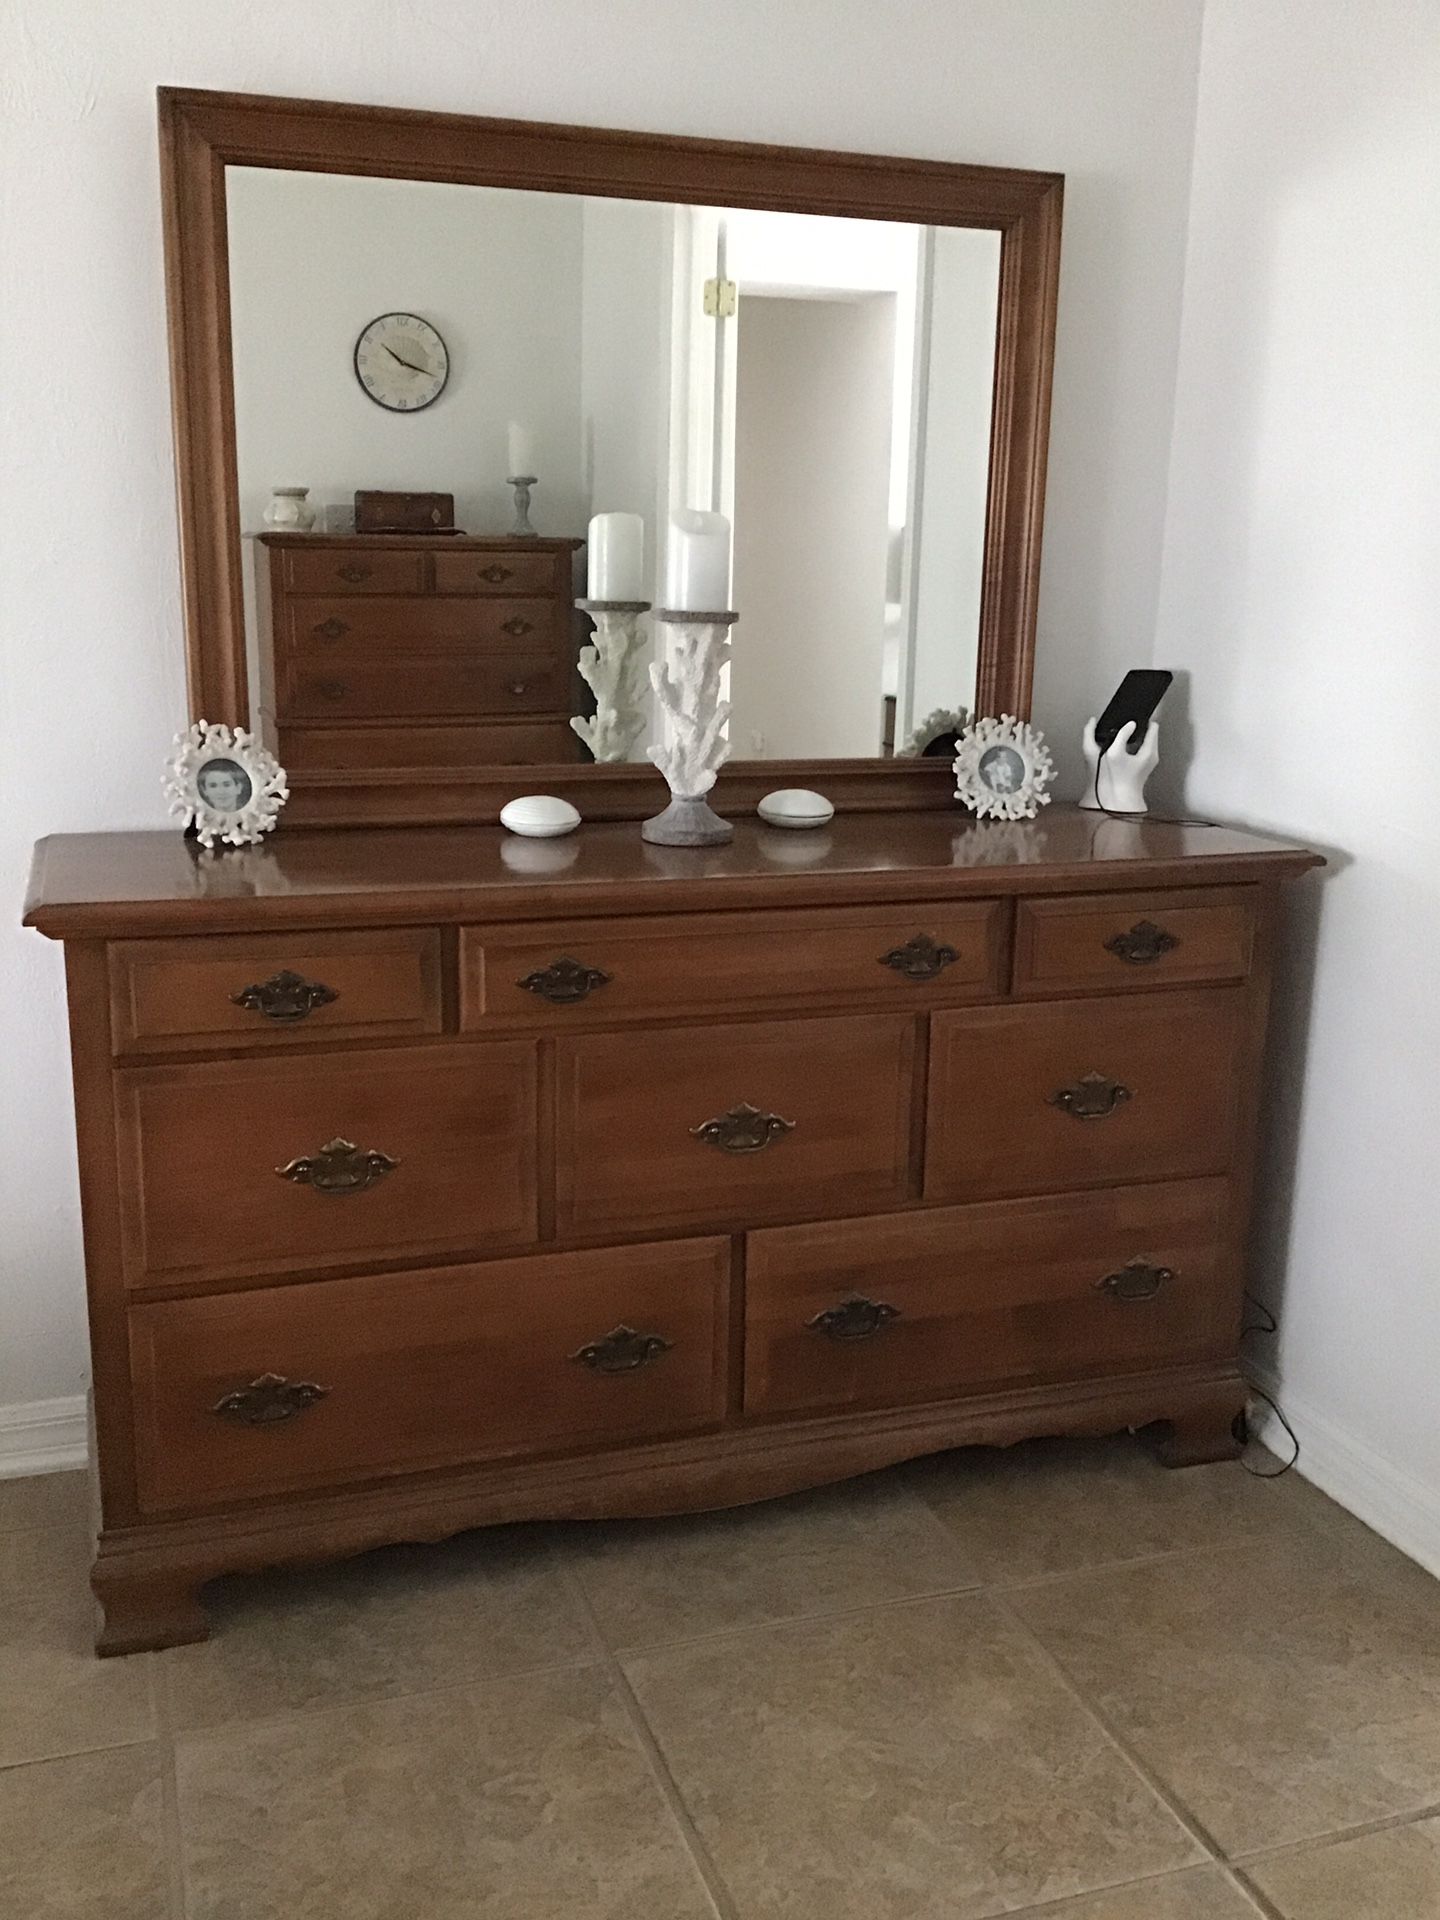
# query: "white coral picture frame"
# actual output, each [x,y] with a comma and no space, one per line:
[225,785]
[1002,769]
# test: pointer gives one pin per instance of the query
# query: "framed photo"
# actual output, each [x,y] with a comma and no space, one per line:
[937,737]
[1002,769]
[225,784]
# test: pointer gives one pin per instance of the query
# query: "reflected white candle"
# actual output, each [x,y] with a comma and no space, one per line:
[521,446]
[697,562]
[615,559]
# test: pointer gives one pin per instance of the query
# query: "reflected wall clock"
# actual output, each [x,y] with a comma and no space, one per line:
[401,362]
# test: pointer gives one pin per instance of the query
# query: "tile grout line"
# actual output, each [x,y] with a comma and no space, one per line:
[701,1859]
[1335,1836]
[173,1834]
[76,1753]
[1261,1901]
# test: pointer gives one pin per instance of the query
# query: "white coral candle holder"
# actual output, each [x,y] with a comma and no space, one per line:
[612,665]
[694,747]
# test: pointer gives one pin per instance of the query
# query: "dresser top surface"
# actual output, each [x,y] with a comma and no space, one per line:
[107,885]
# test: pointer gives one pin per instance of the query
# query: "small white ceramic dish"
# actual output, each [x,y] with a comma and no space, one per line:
[539,816]
[795,807]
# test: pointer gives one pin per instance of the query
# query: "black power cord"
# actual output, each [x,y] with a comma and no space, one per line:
[1267,1324]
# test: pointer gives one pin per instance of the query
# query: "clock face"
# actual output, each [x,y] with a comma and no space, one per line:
[401,362]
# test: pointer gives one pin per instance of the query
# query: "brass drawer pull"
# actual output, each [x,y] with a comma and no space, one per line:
[339,1168]
[1094,1096]
[564,981]
[920,959]
[268,1400]
[496,574]
[331,629]
[518,687]
[285,996]
[744,1129]
[622,1351]
[1136,1281]
[353,572]
[332,690]
[855,1319]
[1143,945]
[517,626]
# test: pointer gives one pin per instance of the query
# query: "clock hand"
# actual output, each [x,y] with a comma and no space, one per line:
[410,364]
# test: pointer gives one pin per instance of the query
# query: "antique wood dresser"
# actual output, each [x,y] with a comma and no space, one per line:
[433,1177]
[415,650]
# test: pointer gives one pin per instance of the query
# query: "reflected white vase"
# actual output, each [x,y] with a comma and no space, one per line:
[289,510]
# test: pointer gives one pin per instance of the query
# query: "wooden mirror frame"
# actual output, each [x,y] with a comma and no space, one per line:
[202,133]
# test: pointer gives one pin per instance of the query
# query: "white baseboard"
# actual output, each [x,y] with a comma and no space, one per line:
[1402,1509]
[44,1436]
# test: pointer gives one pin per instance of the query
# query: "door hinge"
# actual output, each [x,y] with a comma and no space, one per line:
[720,298]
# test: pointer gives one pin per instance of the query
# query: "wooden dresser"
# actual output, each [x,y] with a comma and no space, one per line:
[394,650]
[433,1177]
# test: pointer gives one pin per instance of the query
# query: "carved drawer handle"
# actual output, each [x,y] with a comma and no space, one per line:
[517,626]
[285,996]
[332,689]
[331,629]
[564,981]
[353,572]
[920,959]
[495,574]
[1138,1280]
[268,1400]
[1143,945]
[622,1351]
[339,1168]
[518,687]
[855,1319]
[1094,1096]
[744,1129]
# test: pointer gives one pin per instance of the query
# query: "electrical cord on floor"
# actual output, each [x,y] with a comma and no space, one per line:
[1267,1323]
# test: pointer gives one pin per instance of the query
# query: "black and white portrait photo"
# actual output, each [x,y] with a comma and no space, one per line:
[224,786]
[1002,770]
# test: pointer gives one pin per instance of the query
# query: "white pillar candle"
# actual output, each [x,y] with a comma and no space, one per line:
[522,453]
[697,562]
[615,560]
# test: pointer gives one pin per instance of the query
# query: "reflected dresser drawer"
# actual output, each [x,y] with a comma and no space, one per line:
[1122,942]
[512,572]
[357,568]
[1077,1093]
[322,630]
[925,1305]
[376,689]
[308,1386]
[284,1165]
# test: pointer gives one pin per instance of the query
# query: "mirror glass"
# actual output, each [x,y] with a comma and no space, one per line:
[824,383]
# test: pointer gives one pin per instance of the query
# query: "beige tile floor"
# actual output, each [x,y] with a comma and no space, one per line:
[1057,1681]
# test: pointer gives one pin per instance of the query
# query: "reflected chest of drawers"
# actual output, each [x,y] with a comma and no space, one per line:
[433,1179]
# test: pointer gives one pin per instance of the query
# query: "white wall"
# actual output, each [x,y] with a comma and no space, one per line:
[1101,90]
[1301,588]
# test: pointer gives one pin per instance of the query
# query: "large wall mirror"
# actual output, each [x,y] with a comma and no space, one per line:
[847,357]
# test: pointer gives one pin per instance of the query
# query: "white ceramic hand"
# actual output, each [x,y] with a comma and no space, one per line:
[1121,774]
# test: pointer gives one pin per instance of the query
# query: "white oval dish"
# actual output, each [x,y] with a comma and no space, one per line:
[795,807]
[539,816]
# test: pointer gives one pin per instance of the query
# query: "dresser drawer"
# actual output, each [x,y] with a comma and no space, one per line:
[344,570]
[1077,1093]
[325,631]
[582,973]
[167,996]
[484,743]
[510,572]
[934,1304]
[730,1124]
[385,689]
[314,1385]
[1119,942]
[239,1167]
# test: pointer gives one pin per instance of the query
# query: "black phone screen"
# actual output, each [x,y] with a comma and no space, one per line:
[1136,698]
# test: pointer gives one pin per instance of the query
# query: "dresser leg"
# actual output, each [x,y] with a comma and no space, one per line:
[1202,1433]
[142,1612]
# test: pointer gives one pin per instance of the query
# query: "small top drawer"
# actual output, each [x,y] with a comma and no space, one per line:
[172,996]
[1118,942]
[584,973]
[507,571]
[342,570]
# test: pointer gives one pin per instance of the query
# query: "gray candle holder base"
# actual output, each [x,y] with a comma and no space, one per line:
[522,483]
[687,822]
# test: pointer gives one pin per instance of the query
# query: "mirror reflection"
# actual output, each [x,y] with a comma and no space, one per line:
[438,387]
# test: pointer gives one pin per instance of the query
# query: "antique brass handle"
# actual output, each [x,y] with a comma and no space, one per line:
[268,1400]
[331,629]
[496,574]
[622,1351]
[1094,1096]
[855,1319]
[920,959]
[284,996]
[339,1168]
[332,689]
[564,981]
[1143,945]
[744,1129]
[353,572]
[519,686]
[517,626]
[1138,1280]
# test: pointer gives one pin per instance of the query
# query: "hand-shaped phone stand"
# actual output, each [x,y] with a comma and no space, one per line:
[1115,780]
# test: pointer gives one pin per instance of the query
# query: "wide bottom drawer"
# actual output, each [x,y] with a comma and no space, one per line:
[241,1395]
[923,1306]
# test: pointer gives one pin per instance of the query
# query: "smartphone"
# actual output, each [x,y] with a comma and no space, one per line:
[1136,698]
